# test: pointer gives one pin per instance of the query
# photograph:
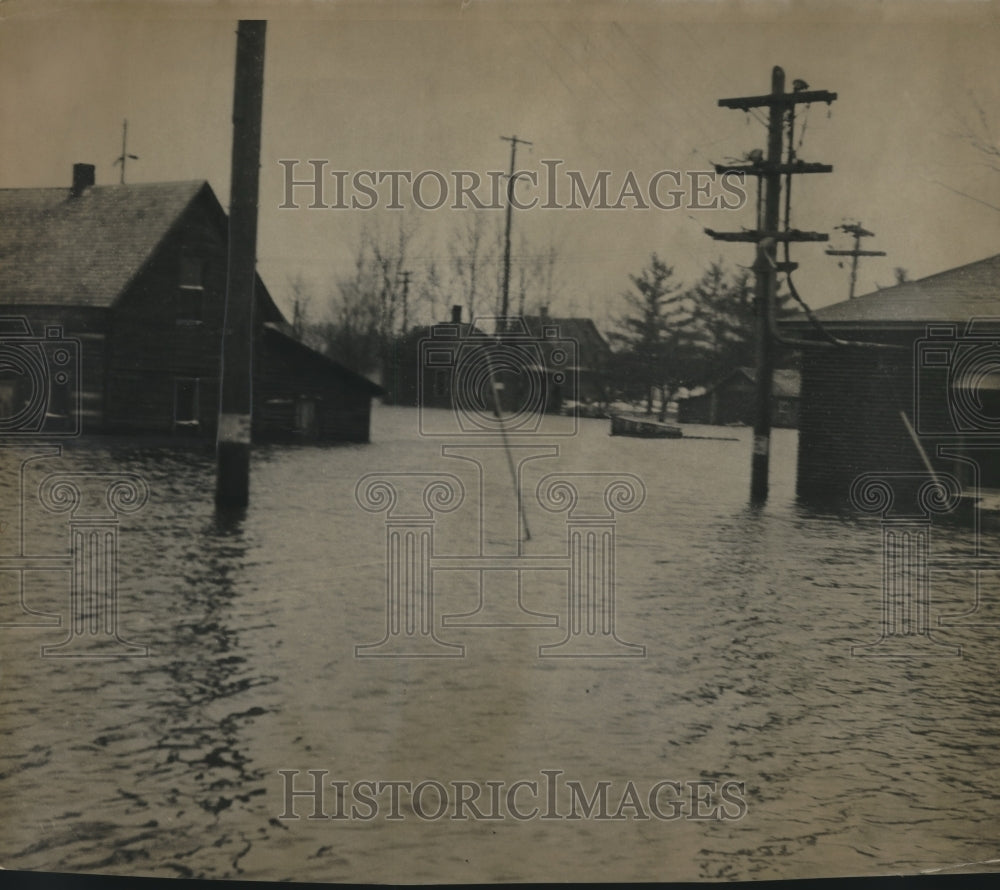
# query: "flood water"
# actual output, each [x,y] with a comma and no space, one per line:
[168,764]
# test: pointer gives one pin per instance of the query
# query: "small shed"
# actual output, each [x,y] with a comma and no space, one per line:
[731,400]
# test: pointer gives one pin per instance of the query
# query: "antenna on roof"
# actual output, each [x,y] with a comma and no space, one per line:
[124,156]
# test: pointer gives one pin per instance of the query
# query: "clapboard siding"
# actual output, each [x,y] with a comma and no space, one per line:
[289,376]
[86,329]
[139,282]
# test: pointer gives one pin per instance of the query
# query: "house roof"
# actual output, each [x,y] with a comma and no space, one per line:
[581,331]
[280,342]
[56,249]
[955,295]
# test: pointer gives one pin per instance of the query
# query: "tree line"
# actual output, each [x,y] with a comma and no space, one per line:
[664,337]
[397,282]
[670,337]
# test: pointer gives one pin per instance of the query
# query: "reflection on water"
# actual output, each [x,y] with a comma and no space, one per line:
[168,764]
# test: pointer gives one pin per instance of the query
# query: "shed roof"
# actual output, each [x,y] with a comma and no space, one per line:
[282,343]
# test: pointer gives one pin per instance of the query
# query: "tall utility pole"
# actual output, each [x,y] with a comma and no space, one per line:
[124,156]
[505,300]
[233,442]
[405,275]
[766,267]
[858,232]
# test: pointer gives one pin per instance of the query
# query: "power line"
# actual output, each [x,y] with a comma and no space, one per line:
[514,142]
[858,232]
[769,171]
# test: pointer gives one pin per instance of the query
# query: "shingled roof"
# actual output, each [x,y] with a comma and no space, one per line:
[57,249]
[955,295]
[582,331]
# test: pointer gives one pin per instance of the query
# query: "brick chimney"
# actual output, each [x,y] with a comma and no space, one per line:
[83,177]
[456,314]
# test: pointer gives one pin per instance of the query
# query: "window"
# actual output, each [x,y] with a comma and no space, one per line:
[186,401]
[192,272]
[60,397]
[191,290]
[305,416]
[442,383]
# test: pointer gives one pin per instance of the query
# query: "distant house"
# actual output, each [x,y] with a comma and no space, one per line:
[731,400]
[136,276]
[931,358]
[421,365]
[563,358]
[583,377]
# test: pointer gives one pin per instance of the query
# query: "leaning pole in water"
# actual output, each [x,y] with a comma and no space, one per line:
[235,400]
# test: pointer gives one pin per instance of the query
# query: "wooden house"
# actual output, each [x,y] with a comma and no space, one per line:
[922,356]
[582,376]
[731,400]
[133,279]
[421,365]
[558,359]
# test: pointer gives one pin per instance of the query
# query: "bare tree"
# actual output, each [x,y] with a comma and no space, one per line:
[976,130]
[473,252]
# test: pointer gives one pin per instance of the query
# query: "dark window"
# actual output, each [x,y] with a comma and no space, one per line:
[305,416]
[186,401]
[191,292]
[192,272]
[442,383]
[60,398]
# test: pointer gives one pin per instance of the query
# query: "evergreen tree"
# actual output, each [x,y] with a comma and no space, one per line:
[657,337]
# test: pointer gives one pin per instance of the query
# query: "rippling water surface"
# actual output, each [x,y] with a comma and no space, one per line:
[167,764]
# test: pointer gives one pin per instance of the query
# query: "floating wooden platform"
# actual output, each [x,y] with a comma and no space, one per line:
[643,427]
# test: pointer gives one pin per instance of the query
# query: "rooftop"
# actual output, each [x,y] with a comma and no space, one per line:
[60,249]
[955,295]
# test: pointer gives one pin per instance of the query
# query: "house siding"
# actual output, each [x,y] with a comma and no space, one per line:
[341,409]
[89,327]
[849,418]
[150,345]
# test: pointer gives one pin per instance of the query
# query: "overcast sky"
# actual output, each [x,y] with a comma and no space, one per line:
[621,87]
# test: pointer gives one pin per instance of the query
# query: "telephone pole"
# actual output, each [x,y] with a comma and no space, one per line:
[859,232]
[124,156]
[766,267]
[505,300]
[235,402]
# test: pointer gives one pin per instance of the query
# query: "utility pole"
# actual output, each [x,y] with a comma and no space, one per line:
[235,403]
[405,275]
[859,232]
[124,156]
[765,266]
[505,300]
